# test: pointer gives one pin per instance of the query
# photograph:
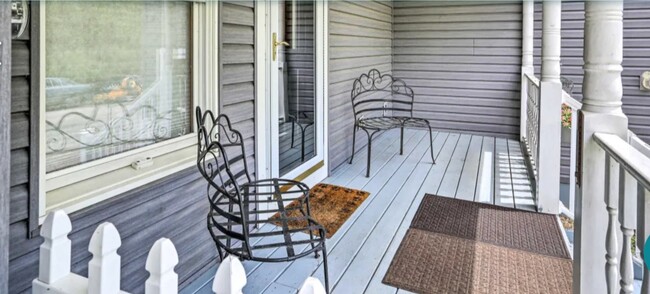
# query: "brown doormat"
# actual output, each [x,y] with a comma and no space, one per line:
[457,246]
[330,206]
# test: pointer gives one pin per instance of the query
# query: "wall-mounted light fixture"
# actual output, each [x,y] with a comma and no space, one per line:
[645,81]
[19,18]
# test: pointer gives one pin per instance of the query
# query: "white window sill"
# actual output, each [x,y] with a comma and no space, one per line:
[85,193]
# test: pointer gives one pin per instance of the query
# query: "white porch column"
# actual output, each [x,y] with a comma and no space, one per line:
[601,112]
[550,126]
[527,31]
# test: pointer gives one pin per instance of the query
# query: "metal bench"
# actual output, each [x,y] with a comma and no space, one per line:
[380,103]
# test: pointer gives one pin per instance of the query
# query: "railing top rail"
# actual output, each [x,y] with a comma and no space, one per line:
[533,79]
[637,143]
[572,102]
[634,162]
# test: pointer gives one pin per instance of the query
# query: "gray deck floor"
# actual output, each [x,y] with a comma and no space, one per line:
[476,168]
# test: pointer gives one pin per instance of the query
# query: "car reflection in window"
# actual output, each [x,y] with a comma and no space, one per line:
[64,93]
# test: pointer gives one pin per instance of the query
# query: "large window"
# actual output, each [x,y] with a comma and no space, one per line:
[117,78]
[120,81]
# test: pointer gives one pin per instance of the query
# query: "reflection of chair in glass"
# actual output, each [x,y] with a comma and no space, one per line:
[303,120]
[232,193]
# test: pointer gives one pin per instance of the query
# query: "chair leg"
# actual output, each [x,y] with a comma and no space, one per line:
[325,270]
[401,141]
[311,234]
[431,145]
[354,140]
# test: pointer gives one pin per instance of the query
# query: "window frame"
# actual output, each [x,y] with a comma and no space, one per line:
[86,184]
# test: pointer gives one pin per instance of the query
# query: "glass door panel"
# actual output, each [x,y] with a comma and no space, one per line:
[296,66]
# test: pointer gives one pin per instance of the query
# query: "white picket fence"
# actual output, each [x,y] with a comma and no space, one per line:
[54,274]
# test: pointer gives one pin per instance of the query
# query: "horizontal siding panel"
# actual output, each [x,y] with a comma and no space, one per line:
[357,8]
[352,30]
[19,58]
[18,203]
[511,34]
[19,167]
[19,94]
[19,130]
[237,73]
[237,34]
[237,14]
[233,54]
[463,63]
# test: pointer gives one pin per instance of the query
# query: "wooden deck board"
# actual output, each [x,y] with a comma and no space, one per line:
[482,169]
[450,181]
[356,229]
[503,195]
[468,179]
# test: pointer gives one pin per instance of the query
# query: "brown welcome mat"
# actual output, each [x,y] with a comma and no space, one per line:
[457,246]
[330,206]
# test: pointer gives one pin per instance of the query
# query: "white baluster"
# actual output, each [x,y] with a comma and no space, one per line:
[230,277]
[643,231]
[312,286]
[611,200]
[161,261]
[104,267]
[55,251]
[627,217]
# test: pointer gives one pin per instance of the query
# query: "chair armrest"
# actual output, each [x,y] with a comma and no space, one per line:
[274,186]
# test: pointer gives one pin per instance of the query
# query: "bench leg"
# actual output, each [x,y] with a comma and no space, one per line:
[431,145]
[401,141]
[354,140]
[370,136]
[369,153]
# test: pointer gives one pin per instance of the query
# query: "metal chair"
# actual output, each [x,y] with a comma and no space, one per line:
[381,102]
[234,199]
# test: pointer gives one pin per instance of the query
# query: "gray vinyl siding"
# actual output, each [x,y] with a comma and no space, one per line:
[636,60]
[174,207]
[237,62]
[463,63]
[24,153]
[5,148]
[360,39]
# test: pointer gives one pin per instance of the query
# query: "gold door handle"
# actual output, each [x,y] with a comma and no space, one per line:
[277,43]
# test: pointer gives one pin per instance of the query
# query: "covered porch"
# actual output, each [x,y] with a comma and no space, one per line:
[469,167]
[608,165]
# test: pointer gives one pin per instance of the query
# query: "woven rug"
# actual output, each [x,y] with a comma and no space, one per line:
[330,206]
[457,246]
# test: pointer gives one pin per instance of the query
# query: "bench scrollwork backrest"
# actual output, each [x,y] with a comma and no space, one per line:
[376,94]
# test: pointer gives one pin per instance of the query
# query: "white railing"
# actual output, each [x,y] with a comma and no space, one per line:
[575,106]
[531,137]
[627,197]
[54,274]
